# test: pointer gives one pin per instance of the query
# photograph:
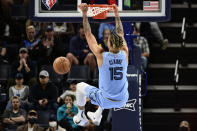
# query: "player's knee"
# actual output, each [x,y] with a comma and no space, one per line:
[81,87]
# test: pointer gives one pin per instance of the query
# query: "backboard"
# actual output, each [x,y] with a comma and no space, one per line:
[129,10]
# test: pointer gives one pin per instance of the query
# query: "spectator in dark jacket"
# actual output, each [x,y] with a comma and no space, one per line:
[25,66]
[80,52]
[31,124]
[43,96]
[50,47]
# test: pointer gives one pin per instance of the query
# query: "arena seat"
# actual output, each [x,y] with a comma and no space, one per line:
[4,73]
[43,118]
[79,73]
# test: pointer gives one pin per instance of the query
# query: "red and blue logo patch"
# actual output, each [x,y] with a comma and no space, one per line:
[49,3]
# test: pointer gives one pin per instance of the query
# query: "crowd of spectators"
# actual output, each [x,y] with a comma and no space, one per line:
[29,46]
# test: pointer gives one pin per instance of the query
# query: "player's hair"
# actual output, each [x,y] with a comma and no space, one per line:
[116,41]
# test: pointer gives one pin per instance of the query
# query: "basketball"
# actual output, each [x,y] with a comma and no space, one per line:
[61,65]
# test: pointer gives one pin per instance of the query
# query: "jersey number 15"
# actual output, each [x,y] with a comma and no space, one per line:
[116,73]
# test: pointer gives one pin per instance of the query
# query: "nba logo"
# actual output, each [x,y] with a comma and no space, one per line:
[49,3]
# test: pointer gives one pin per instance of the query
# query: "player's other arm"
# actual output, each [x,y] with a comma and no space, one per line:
[95,48]
[119,28]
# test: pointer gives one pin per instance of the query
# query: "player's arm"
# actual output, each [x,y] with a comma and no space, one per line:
[95,48]
[119,28]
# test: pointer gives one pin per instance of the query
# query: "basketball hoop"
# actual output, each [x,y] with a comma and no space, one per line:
[99,11]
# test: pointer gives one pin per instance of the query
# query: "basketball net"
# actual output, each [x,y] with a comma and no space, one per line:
[99,11]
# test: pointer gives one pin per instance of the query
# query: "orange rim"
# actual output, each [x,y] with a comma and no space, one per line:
[101,5]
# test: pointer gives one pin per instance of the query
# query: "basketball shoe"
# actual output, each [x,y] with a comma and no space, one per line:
[81,119]
[94,117]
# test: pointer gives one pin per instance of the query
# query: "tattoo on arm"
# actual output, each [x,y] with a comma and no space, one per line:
[86,24]
[119,27]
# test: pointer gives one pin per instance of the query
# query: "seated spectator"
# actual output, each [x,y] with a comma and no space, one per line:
[103,42]
[53,125]
[14,117]
[31,123]
[64,31]
[20,90]
[184,126]
[143,44]
[152,32]
[50,47]
[66,112]
[38,28]
[25,66]
[3,46]
[102,27]
[80,52]
[43,96]
[31,43]
[71,91]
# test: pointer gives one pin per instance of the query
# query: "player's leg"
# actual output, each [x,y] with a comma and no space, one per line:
[96,116]
[80,119]
[83,90]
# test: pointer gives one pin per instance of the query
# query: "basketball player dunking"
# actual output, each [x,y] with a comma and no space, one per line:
[113,84]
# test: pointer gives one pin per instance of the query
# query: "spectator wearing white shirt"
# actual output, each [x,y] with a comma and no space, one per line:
[71,91]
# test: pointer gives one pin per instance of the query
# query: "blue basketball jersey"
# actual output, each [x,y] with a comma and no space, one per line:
[112,75]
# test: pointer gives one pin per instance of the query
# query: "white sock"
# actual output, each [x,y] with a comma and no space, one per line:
[99,111]
[80,111]
[81,94]
[80,99]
